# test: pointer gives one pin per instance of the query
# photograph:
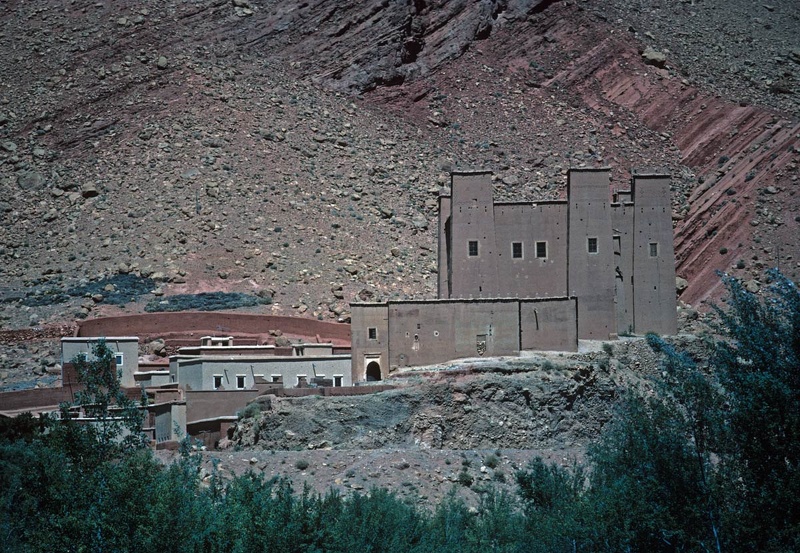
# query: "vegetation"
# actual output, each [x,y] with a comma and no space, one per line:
[206,301]
[709,463]
[116,290]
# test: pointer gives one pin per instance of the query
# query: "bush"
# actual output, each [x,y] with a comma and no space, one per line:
[205,301]
[465,478]
[250,411]
[127,288]
[301,464]
[491,461]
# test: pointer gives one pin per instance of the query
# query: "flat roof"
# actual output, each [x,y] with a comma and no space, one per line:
[471,172]
[464,300]
[247,358]
[97,338]
[534,203]
[649,172]
[590,169]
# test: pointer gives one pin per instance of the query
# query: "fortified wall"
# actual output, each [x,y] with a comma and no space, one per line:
[531,275]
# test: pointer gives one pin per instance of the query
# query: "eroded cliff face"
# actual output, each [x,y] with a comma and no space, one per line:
[356,46]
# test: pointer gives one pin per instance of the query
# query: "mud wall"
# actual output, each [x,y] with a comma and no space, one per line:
[210,404]
[153,325]
[37,398]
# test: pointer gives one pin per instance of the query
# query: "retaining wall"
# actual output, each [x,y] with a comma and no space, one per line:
[194,324]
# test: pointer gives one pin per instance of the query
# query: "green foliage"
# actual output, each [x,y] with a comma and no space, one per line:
[465,478]
[250,411]
[126,288]
[206,301]
[115,421]
[712,461]
[759,366]
[491,461]
[555,505]
[301,464]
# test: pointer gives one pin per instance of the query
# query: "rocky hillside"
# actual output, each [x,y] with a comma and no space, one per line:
[461,426]
[297,149]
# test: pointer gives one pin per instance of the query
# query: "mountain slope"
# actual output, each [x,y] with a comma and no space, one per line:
[299,147]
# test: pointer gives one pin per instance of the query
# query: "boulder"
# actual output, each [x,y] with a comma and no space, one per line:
[654,57]
[89,190]
[31,180]
[157,347]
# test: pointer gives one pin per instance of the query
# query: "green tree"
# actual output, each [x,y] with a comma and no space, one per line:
[759,365]
[710,462]
[115,422]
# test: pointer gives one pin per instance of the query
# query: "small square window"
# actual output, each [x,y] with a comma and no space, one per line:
[372,333]
[337,381]
[541,250]
[217,381]
[473,248]
[277,378]
[653,249]
[240,381]
[516,250]
[118,358]
[591,245]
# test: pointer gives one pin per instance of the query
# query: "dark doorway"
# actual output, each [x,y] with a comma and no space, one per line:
[373,372]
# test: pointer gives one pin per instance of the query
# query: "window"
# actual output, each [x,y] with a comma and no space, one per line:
[473,248]
[240,380]
[277,378]
[516,250]
[591,245]
[372,333]
[217,381]
[653,249]
[337,380]
[541,250]
[118,359]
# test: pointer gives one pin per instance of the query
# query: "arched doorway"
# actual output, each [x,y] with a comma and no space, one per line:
[373,372]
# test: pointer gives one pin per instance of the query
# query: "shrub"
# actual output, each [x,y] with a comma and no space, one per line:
[250,411]
[127,287]
[206,301]
[491,461]
[465,478]
[301,464]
